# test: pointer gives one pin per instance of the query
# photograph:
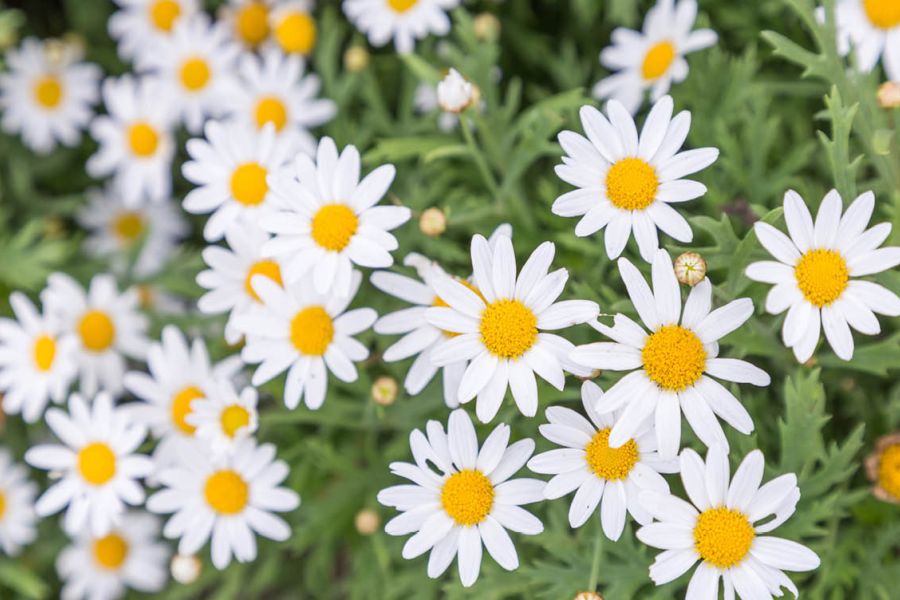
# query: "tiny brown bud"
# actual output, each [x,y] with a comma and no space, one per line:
[889,94]
[367,521]
[690,268]
[185,568]
[433,222]
[486,26]
[384,390]
[356,59]
[588,596]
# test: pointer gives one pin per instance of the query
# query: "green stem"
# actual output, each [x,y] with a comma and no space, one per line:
[595,563]
[489,180]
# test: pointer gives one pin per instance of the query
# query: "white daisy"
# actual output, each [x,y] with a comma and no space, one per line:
[48,93]
[104,567]
[670,367]
[720,529]
[139,26]
[470,501]
[106,324]
[328,220]
[37,360]
[249,21]
[223,418]
[627,182]
[229,498]
[872,29]
[404,21]
[813,274]
[135,139]
[652,59]
[589,465]
[230,168]
[293,27]
[100,470]
[17,516]
[503,326]
[306,334]
[116,228]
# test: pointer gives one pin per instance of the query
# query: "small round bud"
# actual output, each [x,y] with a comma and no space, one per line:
[486,26]
[588,596]
[384,390]
[889,94]
[455,94]
[690,268]
[433,222]
[356,59]
[367,521]
[185,568]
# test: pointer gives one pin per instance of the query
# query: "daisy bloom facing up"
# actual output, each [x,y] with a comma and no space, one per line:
[721,528]
[871,28]
[293,27]
[652,59]
[587,464]
[48,93]
[670,367]
[328,220]
[883,468]
[626,182]
[503,324]
[107,325]
[229,498]
[17,518]
[139,26]
[306,334]
[223,418]
[100,470]
[404,21]
[813,275]
[470,501]
[103,567]
[249,20]
[37,360]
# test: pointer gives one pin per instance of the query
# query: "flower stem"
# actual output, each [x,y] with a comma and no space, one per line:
[595,563]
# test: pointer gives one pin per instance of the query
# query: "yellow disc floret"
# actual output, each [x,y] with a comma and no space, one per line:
[195,74]
[333,226]
[226,492]
[248,184]
[271,109]
[658,60]
[822,276]
[181,408]
[252,23]
[97,330]
[97,463]
[44,352]
[267,268]
[296,33]
[723,537]
[631,184]
[508,328]
[401,6]
[674,357]
[128,225]
[233,418]
[467,497]
[889,470]
[110,551]
[312,331]
[884,14]
[48,91]
[142,139]
[611,464]
[163,14]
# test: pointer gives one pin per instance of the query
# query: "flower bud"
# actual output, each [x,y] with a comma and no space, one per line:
[588,596]
[690,268]
[433,222]
[356,59]
[889,94]
[486,26]
[367,521]
[384,390]
[454,93]
[185,568]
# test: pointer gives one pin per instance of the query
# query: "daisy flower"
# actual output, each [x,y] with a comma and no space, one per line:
[721,528]
[404,21]
[37,360]
[293,27]
[652,59]
[470,501]
[249,21]
[883,468]
[104,567]
[100,469]
[588,464]
[223,418]
[107,325]
[627,182]
[872,29]
[140,26]
[135,139]
[116,228]
[328,220]
[670,367]
[814,270]
[503,325]
[17,517]
[229,498]
[48,93]
[306,334]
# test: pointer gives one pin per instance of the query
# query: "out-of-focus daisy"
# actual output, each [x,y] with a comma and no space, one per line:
[230,168]
[195,64]
[872,29]
[883,468]
[327,219]
[404,21]
[140,26]
[503,326]
[136,143]
[106,324]
[670,366]
[719,528]
[249,21]
[627,182]
[97,460]
[116,228]
[104,567]
[813,274]
[470,501]
[48,93]
[229,498]
[293,27]
[589,465]
[652,59]
[37,360]
[305,333]
[223,418]
[271,88]
[17,516]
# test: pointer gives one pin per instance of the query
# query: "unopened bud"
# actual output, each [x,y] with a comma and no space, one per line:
[356,59]
[889,94]
[486,26]
[384,390]
[588,596]
[367,521]
[690,268]
[455,94]
[433,222]
[185,568]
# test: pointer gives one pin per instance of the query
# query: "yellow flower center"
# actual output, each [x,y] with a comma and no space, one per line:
[163,14]
[611,464]
[44,352]
[181,408]
[96,463]
[508,328]
[233,418]
[110,551]
[48,91]
[2,504]
[889,470]
[271,110]
[195,74]
[822,276]
[142,139]
[631,184]
[266,268]
[296,32]
[128,225]
[884,14]
[312,331]
[401,6]
[467,497]
[226,492]
[438,301]
[658,60]
[722,537]
[248,184]
[333,225]
[253,23]
[674,357]
[96,330]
